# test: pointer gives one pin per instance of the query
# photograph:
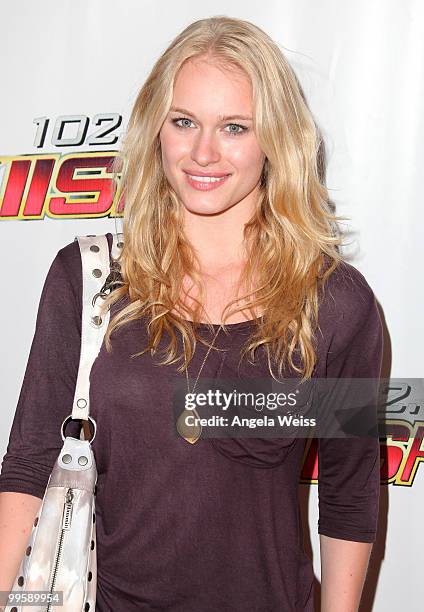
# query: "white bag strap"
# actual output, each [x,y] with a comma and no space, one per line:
[95,270]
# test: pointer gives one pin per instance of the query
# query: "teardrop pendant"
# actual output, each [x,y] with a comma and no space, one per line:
[191,433]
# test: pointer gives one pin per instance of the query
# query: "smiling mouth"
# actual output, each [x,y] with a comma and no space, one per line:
[205,183]
[207,179]
[206,175]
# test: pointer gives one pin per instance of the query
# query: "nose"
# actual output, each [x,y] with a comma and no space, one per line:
[205,149]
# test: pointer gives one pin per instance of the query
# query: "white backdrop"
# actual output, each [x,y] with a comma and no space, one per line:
[361,67]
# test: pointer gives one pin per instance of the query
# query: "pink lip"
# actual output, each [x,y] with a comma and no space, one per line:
[207,186]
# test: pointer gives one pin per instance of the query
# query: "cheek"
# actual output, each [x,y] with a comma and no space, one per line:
[247,158]
[172,147]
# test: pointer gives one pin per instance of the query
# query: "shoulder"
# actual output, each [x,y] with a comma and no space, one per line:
[66,268]
[70,255]
[347,292]
[347,305]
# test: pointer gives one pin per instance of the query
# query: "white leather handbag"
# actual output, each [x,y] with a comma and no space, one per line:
[59,568]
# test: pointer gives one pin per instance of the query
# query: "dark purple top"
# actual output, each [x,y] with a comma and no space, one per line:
[204,527]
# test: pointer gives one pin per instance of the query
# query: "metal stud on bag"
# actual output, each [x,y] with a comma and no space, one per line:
[61,555]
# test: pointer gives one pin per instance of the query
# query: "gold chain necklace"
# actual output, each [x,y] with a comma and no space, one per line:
[192,433]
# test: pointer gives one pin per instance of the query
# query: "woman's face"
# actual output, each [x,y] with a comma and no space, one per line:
[208,135]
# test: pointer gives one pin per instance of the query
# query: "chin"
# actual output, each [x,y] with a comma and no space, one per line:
[206,208]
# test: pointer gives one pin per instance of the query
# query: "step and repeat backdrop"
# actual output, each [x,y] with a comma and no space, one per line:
[70,72]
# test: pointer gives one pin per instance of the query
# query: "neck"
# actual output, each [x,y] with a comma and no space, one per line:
[218,239]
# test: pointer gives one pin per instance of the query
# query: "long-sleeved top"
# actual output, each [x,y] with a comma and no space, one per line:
[199,527]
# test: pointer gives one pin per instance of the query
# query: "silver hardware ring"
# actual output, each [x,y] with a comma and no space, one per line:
[69,418]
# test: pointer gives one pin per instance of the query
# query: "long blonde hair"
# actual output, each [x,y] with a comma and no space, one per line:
[291,241]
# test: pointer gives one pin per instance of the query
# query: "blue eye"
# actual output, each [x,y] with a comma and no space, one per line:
[175,121]
[240,128]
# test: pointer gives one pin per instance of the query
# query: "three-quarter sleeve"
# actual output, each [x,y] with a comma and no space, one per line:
[349,468]
[48,387]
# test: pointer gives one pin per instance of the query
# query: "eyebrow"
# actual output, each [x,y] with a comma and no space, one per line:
[184,111]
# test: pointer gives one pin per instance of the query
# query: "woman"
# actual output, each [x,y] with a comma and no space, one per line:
[223,208]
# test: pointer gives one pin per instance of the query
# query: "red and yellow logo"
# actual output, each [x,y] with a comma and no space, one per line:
[74,185]
[401,452]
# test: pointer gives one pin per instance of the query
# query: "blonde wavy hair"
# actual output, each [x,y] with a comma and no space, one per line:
[291,242]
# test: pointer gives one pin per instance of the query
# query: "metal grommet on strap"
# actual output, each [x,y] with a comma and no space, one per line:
[84,422]
[97,273]
[97,321]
